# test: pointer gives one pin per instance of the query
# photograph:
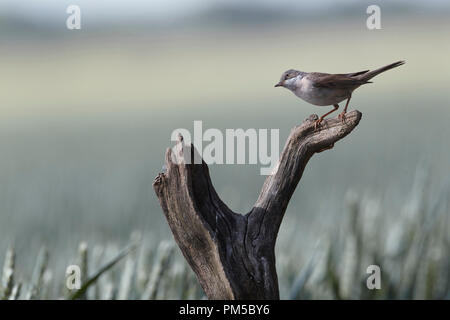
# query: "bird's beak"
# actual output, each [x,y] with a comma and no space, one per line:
[279,84]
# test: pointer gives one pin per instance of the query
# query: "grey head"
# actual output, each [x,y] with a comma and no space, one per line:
[288,78]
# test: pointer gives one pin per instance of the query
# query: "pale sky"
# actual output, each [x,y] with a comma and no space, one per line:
[53,10]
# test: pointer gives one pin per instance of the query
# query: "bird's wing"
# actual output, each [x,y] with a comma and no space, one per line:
[338,81]
[354,74]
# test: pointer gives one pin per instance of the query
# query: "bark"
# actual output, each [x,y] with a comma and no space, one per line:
[233,255]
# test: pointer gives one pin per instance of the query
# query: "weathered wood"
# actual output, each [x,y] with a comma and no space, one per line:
[233,255]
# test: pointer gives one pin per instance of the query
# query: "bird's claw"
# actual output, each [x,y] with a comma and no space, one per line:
[342,116]
[317,123]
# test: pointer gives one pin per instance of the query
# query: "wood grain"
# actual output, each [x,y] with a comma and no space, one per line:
[233,255]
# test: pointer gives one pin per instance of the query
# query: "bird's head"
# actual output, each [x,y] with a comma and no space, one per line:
[288,79]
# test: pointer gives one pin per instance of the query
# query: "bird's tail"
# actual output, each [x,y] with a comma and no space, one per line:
[369,75]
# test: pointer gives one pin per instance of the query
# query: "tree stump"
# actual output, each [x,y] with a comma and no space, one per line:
[233,255]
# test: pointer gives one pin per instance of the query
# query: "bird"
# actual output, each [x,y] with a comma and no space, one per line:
[324,89]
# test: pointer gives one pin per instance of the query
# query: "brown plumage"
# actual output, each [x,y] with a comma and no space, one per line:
[324,89]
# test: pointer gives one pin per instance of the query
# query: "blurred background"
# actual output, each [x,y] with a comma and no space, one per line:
[86,116]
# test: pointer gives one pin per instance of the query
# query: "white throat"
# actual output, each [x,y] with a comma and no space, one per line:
[293,83]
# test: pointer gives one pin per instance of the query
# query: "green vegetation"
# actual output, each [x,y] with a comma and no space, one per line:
[85,120]
[144,274]
[412,249]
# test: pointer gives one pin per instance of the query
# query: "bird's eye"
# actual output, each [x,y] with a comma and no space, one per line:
[286,77]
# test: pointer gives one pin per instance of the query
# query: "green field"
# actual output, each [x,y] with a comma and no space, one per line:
[85,120]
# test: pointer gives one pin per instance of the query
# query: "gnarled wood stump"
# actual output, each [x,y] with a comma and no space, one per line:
[233,255]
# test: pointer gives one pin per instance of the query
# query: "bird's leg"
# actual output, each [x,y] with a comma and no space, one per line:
[318,121]
[342,114]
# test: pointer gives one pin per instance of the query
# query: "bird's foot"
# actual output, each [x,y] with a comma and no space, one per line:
[317,123]
[342,116]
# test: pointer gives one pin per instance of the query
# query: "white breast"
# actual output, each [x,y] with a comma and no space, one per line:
[317,96]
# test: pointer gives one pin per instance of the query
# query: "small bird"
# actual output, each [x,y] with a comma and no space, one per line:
[324,89]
